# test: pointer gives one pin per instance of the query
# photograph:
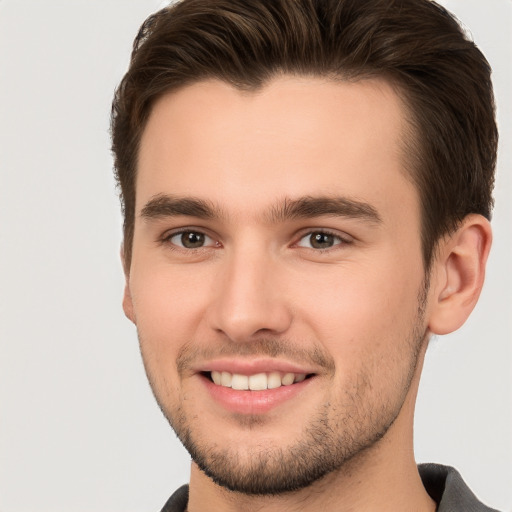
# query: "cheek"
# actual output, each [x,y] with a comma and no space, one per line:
[166,297]
[364,314]
[168,308]
[368,327]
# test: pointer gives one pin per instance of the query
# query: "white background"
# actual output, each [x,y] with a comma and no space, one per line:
[79,429]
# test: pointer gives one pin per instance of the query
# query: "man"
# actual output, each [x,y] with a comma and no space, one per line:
[306,187]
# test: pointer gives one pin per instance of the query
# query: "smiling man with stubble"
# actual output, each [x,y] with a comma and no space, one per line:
[306,187]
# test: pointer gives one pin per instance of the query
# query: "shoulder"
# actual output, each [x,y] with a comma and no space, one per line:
[446,487]
[178,501]
[443,483]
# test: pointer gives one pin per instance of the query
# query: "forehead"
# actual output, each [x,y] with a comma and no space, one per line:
[295,136]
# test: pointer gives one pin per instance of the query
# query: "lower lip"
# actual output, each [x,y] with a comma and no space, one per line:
[253,402]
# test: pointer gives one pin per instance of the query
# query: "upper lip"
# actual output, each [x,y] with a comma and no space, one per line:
[252,366]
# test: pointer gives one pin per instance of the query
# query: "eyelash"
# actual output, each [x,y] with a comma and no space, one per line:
[339,239]
[167,237]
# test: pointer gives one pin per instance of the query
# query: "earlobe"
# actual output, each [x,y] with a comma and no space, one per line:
[458,274]
[127,297]
[128,304]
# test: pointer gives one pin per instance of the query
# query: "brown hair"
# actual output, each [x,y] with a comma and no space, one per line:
[416,44]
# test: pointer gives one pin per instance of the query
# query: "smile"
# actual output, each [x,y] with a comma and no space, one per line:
[257,393]
[256,382]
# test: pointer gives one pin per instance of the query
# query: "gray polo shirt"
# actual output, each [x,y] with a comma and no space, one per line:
[443,483]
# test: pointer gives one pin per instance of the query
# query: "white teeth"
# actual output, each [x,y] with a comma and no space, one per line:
[288,379]
[225,379]
[274,380]
[256,382]
[216,377]
[240,381]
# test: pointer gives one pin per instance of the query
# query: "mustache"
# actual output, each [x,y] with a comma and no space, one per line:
[267,347]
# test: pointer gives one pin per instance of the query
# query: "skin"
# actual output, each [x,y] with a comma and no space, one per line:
[355,315]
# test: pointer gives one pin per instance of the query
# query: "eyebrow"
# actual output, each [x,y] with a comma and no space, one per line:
[308,206]
[164,205]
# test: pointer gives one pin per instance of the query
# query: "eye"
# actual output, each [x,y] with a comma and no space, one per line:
[191,240]
[320,240]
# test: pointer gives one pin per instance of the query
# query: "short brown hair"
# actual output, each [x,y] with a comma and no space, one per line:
[417,45]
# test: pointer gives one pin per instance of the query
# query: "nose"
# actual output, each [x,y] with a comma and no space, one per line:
[250,300]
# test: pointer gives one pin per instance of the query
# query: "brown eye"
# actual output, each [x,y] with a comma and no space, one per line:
[191,240]
[320,240]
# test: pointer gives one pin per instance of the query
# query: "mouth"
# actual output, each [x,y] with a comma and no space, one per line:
[257,382]
[257,393]
[255,386]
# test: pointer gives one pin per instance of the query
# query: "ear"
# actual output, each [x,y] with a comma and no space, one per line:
[127,296]
[458,274]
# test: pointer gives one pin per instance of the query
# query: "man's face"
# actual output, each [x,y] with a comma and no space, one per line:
[277,240]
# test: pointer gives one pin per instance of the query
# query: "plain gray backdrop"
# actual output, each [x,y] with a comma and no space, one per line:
[79,429]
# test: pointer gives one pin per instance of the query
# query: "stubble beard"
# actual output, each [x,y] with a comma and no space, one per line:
[328,443]
[337,434]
